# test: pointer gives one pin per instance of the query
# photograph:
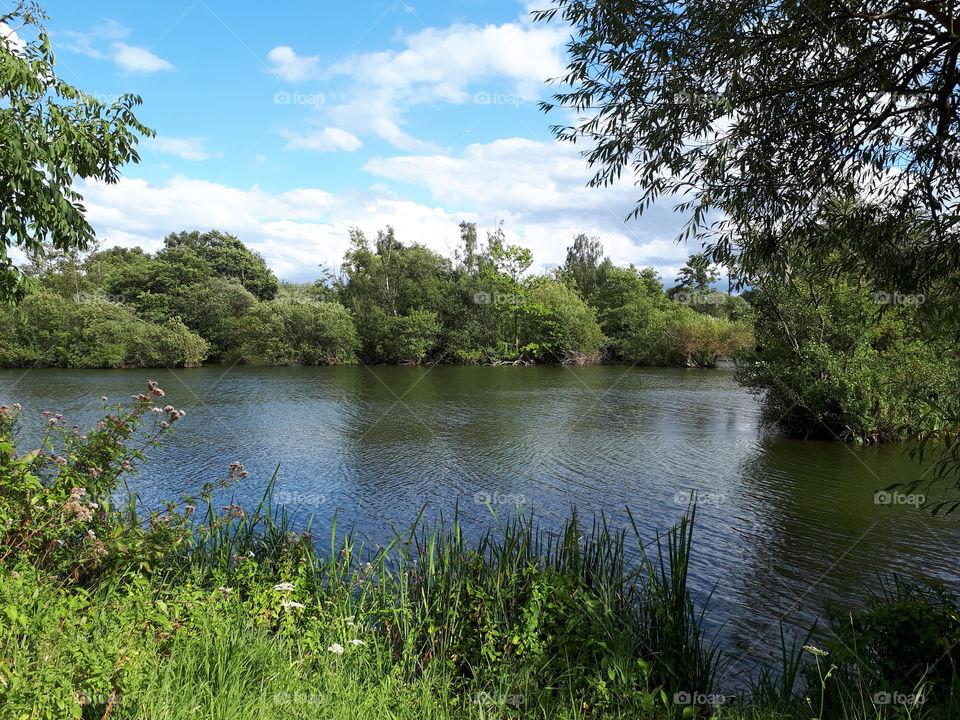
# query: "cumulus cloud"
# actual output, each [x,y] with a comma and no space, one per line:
[459,64]
[537,190]
[325,140]
[285,63]
[185,148]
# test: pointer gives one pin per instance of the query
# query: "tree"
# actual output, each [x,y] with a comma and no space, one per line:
[760,114]
[697,274]
[228,258]
[51,133]
[836,357]
[586,265]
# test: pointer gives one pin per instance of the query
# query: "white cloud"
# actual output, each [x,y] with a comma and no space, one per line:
[185,148]
[325,140]
[137,59]
[537,189]
[130,58]
[290,66]
[459,64]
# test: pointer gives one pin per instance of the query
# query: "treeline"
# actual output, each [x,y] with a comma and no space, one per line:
[207,297]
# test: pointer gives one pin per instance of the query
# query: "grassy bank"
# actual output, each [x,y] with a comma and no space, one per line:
[198,610]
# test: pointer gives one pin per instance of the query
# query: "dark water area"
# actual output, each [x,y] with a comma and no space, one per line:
[784,527]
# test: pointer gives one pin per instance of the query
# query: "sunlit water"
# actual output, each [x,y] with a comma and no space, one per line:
[784,527]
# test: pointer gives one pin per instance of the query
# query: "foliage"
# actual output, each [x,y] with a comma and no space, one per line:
[761,113]
[51,133]
[50,331]
[558,326]
[301,333]
[228,258]
[839,358]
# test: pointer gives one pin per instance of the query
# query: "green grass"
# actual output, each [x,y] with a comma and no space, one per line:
[519,623]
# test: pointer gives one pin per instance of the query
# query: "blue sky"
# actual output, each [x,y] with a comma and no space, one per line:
[289,124]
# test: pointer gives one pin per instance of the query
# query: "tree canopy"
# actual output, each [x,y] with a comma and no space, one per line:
[51,133]
[759,115]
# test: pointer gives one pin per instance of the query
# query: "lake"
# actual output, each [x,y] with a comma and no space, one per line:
[784,526]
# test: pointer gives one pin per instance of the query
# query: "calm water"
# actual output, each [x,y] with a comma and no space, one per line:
[785,527]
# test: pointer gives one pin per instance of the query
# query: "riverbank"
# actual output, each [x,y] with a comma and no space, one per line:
[256,622]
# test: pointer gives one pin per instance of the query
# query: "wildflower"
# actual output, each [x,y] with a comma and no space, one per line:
[47,413]
[225,590]
[77,510]
[287,604]
[58,416]
[17,406]
[126,465]
[60,460]
[156,410]
[164,425]
[189,509]
[283,586]
[168,409]
[53,421]
[336,648]
[815,650]
[356,641]
[103,398]
[76,493]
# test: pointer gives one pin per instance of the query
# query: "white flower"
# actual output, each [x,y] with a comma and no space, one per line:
[356,641]
[283,586]
[336,648]
[351,624]
[287,604]
[225,590]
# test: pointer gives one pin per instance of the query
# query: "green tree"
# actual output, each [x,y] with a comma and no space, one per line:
[586,266]
[51,134]
[757,113]
[837,357]
[227,257]
[557,325]
[300,333]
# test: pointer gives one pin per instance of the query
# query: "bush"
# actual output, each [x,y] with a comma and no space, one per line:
[302,333]
[49,331]
[558,326]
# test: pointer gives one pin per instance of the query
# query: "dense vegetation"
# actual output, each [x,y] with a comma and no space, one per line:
[110,609]
[205,296]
